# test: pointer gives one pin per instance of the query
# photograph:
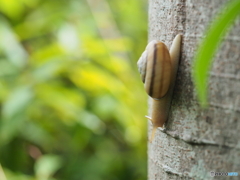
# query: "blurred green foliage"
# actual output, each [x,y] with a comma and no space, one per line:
[72,102]
[214,35]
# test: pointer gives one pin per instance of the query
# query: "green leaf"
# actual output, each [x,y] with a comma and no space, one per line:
[46,166]
[208,47]
[18,100]
[11,46]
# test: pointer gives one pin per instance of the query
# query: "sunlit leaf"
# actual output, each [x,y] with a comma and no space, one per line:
[12,8]
[46,166]
[68,38]
[47,53]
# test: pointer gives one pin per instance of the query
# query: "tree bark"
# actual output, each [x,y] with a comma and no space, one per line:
[197,141]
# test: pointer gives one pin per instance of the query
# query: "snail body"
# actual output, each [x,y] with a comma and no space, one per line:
[158,68]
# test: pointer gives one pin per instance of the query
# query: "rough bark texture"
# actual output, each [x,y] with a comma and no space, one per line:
[197,141]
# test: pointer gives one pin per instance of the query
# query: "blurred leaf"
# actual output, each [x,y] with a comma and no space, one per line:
[7,68]
[16,176]
[12,8]
[10,128]
[2,174]
[208,47]
[68,38]
[92,122]
[46,166]
[13,112]
[104,106]
[67,103]
[66,89]
[47,53]
[47,70]
[18,101]
[36,134]
[39,22]
[9,43]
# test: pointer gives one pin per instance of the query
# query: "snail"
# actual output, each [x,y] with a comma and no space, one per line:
[158,69]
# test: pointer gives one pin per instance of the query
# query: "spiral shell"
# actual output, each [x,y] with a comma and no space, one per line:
[141,64]
[155,68]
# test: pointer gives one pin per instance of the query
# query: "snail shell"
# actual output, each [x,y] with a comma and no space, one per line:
[141,64]
[155,68]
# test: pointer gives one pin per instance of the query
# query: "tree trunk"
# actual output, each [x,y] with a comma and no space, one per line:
[197,141]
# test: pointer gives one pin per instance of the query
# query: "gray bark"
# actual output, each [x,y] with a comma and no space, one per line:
[197,141]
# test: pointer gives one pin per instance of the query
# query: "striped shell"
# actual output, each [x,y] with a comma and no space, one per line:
[155,68]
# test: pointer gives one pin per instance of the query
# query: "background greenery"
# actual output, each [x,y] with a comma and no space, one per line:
[72,102]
